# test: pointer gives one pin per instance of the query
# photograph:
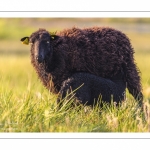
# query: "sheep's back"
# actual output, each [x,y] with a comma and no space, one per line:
[100,51]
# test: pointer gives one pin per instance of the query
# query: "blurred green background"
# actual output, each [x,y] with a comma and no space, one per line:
[12,29]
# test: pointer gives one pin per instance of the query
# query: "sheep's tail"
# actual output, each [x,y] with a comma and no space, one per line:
[133,81]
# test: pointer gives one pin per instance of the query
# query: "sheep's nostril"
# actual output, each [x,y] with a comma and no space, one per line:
[39,59]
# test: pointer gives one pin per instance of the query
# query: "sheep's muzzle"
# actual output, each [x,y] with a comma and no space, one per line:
[39,58]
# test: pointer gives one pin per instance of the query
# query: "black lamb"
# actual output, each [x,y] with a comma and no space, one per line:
[87,89]
[101,51]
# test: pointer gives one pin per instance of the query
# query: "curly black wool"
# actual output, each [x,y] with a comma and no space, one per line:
[104,52]
[87,89]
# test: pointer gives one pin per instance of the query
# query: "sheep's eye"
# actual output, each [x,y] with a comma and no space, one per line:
[47,41]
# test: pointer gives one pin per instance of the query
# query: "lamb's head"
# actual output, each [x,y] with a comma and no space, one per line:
[41,48]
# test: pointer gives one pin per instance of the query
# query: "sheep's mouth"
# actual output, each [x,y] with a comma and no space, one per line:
[41,64]
[40,61]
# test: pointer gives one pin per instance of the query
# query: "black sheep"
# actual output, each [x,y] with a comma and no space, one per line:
[86,89]
[104,52]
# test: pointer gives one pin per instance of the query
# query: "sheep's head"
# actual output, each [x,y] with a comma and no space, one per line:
[40,42]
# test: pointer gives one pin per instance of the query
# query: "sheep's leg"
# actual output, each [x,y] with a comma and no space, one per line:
[119,90]
[133,83]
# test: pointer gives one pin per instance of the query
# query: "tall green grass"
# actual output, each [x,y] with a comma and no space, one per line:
[26,106]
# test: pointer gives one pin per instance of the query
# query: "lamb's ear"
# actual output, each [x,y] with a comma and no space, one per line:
[25,40]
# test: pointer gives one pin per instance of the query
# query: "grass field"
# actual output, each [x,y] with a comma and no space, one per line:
[26,106]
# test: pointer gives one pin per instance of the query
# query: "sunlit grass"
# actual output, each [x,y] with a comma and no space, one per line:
[26,106]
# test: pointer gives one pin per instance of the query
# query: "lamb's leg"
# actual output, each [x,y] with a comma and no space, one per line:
[74,90]
[64,91]
[68,92]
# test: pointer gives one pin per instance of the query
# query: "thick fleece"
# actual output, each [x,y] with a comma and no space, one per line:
[87,89]
[104,52]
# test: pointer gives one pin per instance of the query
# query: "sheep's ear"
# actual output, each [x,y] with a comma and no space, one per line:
[25,40]
[53,35]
